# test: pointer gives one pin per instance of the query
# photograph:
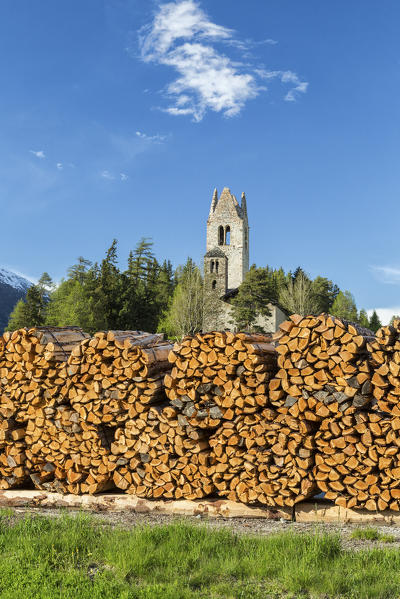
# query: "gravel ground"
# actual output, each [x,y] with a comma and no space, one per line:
[250,526]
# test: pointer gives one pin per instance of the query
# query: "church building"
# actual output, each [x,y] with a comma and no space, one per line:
[226,263]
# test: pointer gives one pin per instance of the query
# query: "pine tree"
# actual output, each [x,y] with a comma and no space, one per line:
[325,293]
[374,322]
[253,299]
[17,318]
[363,319]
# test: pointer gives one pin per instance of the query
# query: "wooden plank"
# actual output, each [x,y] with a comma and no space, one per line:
[113,502]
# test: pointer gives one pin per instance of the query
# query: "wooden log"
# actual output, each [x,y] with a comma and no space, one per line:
[324,368]
[265,458]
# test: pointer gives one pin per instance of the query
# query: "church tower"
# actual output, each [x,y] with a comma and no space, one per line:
[227,254]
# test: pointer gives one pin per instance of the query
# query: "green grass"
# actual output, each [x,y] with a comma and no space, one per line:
[372,534]
[75,558]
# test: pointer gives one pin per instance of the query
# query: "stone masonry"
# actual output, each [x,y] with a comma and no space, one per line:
[228,231]
[226,262]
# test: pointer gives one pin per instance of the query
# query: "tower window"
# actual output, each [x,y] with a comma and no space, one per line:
[216,266]
[227,235]
[214,284]
[245,240]
[212,266]
[221,235]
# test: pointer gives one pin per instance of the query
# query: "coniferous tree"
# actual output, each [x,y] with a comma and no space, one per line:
[363,319]
[253,299]
[325,293]
[17,318]
[374,322]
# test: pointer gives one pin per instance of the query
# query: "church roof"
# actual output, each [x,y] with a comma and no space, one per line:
[215,253]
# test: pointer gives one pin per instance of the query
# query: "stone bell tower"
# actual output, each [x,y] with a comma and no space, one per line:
[227,254]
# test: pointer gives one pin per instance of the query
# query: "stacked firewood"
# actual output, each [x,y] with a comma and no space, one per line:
[264,457]
[32,378]
[66,454]
[155,456]
[33,367]
[324,368]
[13,471]
[358,460]
[385,354]
[117,375]
[219,376]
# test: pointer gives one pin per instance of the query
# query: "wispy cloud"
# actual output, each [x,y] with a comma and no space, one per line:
[60,166]
[111,177]
[182,36]
[38,153]
[151,138]
[387,274]
[107,175]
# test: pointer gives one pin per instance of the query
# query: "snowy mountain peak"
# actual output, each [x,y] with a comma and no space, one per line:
[16,281]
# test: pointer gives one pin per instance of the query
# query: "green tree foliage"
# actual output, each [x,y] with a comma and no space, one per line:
[31,312]
[363,319]
[325,292]
[374,322]
[297,295]
[185,313]
[101,297]
[17,319]
[252,299]
[345,307]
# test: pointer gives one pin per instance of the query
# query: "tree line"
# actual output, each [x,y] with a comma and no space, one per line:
[152,296]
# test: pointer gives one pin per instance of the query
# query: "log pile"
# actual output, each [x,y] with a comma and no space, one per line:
[65,454]
[324,368]
[33,367]
[219,376]
[155,456]
[219,412]
[32,378]
[358,461]
[385,354]
[117,375]
[264,457]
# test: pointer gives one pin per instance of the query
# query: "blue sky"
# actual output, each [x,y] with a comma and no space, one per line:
[118,118]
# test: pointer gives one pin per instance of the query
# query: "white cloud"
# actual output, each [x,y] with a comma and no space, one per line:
[151,138]
[181,36]
[387,274]
[60,166]
[107,175]
[285,77]
[385,314]
[123,176]
[38,153]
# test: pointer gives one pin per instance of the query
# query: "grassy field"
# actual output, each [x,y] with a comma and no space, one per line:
[73,557]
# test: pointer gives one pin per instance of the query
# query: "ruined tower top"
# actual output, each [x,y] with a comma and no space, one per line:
[228,230]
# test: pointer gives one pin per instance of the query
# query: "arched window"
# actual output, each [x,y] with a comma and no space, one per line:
[214,284]
[221,235]
[212,266]
[216,266]
[227,235]
[245,239]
